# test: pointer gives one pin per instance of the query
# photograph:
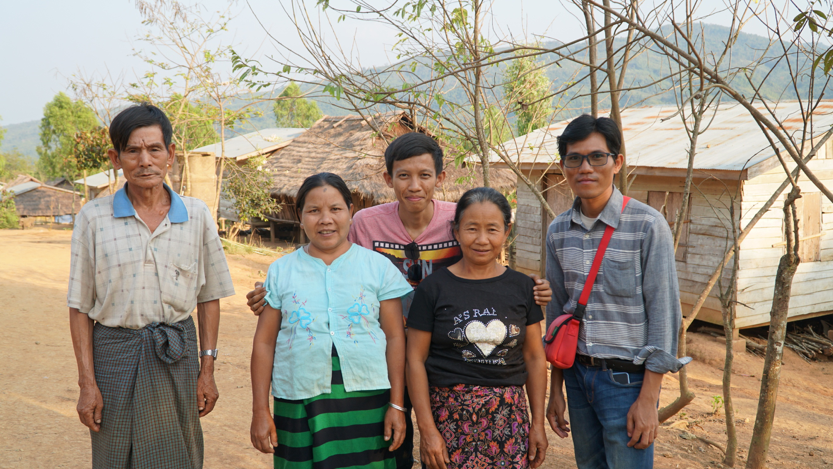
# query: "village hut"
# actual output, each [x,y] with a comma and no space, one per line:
[100,184]
[734,159]
[353,147]
[239,149]
[264,142]
[35,199]
[62,183]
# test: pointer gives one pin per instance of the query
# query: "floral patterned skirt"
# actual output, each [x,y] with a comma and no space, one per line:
[483,427]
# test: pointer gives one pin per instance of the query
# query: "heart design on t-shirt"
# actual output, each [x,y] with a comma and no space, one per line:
[486,337]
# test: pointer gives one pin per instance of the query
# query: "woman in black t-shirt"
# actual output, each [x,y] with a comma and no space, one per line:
[468,357]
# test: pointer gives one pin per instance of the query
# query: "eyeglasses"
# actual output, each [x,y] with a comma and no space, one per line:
[575,160]
[415,270]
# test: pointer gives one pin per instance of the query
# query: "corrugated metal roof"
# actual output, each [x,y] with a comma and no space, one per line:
[100,179]
[732,142]
[254,143]
[22,188]
[32,185]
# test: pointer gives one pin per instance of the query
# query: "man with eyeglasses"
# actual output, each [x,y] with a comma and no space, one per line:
[628,336]
[414,232]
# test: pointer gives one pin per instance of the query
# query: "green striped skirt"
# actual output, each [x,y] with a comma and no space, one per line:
[337,430]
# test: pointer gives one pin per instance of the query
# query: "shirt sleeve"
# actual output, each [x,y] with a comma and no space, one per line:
[393,283]
[555,275]
[421,315]
[273,297]
[534,314]
[218,282]
[81,291]
[661,294]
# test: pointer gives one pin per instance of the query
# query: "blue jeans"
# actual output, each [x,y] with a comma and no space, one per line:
[598,415]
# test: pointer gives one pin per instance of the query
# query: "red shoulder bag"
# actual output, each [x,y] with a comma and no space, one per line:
[562,335]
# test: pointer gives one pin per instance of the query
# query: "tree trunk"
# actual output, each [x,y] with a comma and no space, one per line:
[86,189]
[686,396]
[728,303]
[761,433]
[612,84]
[478,115]
[592,59]
[731,432]
[219,186]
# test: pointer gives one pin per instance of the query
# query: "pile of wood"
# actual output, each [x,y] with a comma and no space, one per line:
[808,344]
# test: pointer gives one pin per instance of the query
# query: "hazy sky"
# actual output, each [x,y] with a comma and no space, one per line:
[45,42]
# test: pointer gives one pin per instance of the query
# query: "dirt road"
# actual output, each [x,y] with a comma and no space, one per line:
[39,427]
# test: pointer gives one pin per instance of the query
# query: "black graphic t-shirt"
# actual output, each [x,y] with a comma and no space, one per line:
[478,327]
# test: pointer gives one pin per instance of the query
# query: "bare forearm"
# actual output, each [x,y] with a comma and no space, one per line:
[263,356]
[81,329]
[651,384]
[390,320]
[262,361]
[556,380]
[418,345]
[536,387]
[208,317]
[395,356]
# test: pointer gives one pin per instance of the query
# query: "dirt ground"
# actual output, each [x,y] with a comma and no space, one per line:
[38,380]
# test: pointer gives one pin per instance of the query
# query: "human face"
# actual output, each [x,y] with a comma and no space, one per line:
[326,220]
[145,159]
[592,182]
[413,182]
[481,233]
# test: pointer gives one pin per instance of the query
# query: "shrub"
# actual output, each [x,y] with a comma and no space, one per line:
[8,213]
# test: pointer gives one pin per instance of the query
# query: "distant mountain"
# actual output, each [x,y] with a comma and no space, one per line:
[643,70]
[25,137]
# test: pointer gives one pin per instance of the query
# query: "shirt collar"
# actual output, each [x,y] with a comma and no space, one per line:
[610,214]
[122,207]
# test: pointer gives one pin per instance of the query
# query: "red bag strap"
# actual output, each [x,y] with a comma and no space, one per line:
[594,269]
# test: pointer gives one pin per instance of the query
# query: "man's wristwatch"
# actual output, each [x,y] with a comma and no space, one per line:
[210,353]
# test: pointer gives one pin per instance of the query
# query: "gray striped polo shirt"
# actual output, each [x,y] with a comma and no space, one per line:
[634,309]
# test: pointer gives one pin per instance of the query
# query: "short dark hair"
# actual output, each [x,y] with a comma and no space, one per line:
[320,180]
[413,144]
[582,126]
[480,195]
[134,117]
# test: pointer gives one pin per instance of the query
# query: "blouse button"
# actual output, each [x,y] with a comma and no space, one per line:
[332,333]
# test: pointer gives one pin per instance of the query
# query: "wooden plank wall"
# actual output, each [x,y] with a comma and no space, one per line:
[528,228]
[708,228]
[707,231]
[811,292]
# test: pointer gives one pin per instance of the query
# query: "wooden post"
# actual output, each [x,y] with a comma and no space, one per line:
[271,231]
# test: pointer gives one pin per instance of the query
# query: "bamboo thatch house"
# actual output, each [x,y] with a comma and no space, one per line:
[35,199]
[353,147]
[734,159]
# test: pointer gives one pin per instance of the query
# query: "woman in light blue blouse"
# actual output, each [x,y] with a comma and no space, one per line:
[330,344]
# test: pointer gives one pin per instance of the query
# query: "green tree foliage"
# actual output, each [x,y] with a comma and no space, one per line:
[90,150]
[2,132]
[294,111]
[526,87]
[8,212]
[62,119]
[194,125]
[249,186]
[496,126]
[13,163]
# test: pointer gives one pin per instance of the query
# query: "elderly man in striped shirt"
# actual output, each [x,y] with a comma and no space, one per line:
[628,336]
[142,260]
